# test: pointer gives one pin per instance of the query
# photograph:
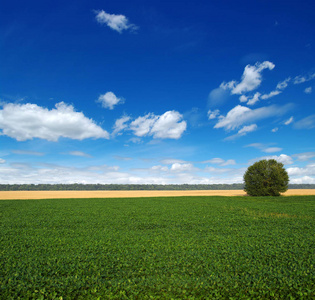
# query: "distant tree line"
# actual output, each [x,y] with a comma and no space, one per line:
[131,187]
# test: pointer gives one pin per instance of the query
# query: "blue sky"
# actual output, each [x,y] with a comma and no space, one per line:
[155,91]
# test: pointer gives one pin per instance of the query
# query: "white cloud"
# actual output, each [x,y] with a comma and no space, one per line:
[264,148]
[256,145]
[275,129]
[177,167]
[251,78]
[143,125]
[308,90]
[213,114]
[301,79]
[247,129]
[283,84]
[243,131]
[306,123]
[220,161]
[109,100]
[215,160]
[243,98]
[159,168]
[308,170]
[229,162]
[234,118]
[289,121]
[2,161]
[282,158]
[253,100]
[79,153]
[120,125]
[135,140]
[115,22]
[27,121]
[303,180]
[304,156]
[171,161]
[271,94]
[169,125]
[272,149]
[228,85]
[240,115]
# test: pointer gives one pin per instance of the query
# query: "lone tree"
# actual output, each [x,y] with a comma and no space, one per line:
[266,178]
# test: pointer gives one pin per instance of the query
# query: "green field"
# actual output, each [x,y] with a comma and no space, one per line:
[158,248]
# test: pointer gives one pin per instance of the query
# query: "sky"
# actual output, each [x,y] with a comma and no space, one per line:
[155,92]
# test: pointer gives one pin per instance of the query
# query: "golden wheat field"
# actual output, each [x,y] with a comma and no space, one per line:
[24,195]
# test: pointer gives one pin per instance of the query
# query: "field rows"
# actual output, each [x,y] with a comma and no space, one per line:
[158,248]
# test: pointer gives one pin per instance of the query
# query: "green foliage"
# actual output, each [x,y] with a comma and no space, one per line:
[158,248]
[266,178]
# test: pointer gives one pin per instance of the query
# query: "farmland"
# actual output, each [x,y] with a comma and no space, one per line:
[188,247]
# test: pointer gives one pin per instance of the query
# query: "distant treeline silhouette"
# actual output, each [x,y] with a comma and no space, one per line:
[131,187]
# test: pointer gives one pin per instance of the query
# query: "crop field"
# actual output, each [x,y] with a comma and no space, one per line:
[196,247]
[24,195]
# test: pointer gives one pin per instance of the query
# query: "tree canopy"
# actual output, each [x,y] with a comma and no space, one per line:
[266,178]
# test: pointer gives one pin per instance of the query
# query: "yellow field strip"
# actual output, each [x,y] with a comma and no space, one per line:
[24,195]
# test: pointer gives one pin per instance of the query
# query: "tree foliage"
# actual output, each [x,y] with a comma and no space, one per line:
[266,178]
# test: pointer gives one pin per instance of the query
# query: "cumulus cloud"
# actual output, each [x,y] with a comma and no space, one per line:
[48,173]
[2,161]
[308,170]
[282,158]
[178,167]
[27,121]
[240,115]
[251,78]
[303,180]
[169,125]
[275,129]
[143,125]
[120,125]
[280,87]
[118,23]
[255,99]
[306,123]
[213,114]
[109,100]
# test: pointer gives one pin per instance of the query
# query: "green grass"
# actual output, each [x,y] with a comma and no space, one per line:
[159,248]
